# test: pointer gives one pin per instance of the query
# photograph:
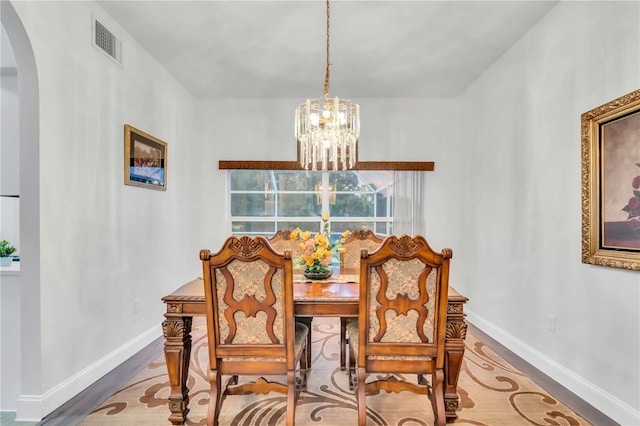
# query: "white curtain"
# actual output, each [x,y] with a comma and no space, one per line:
[408,206]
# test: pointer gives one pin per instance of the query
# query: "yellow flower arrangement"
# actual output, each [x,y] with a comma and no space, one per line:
[318,249]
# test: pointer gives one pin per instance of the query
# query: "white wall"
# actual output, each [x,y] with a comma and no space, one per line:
[392,130]
[10,362]
[9,155]
[519,251]
[102,244]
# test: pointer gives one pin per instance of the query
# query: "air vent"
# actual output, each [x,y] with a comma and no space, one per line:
[106,42]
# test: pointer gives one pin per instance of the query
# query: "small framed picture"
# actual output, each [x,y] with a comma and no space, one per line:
[611,184]
[145,160]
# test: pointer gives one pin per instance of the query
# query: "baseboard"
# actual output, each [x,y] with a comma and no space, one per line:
[36,407]
[617,410]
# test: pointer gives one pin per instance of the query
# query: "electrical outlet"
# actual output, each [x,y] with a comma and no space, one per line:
[136,305]
[551,323]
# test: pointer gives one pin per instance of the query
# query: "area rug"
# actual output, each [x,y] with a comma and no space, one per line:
[492,393]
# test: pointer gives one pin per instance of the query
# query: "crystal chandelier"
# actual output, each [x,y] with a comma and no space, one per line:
[327,129]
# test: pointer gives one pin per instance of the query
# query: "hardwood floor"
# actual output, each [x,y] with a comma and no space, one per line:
[88,400]
[588,412]
[84,403]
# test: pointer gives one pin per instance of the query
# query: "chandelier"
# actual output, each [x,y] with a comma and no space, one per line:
[327,129]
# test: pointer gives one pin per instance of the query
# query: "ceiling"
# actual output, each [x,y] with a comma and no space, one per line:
[239,48]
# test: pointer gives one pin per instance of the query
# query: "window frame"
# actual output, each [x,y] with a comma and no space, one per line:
[308,221]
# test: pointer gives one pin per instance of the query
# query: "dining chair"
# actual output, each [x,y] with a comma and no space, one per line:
[357,240]
[350,259]
[281,241]
[250,325]
[401,323]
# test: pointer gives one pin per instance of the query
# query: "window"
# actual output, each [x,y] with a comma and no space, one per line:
[265,201]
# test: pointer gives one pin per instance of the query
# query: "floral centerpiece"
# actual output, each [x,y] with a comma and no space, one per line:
[318,250]
[5,252]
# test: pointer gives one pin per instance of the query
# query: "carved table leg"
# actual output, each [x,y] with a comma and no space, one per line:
[177,352]
[454,354]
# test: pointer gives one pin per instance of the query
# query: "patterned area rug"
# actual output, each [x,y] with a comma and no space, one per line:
[492,393]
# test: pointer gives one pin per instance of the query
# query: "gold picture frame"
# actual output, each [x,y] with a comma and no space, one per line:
[611,183]
[145,160]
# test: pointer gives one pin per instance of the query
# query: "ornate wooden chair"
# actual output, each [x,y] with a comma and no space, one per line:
[282,241]
[355,242]
[350,259]
[402,321]
[250,325]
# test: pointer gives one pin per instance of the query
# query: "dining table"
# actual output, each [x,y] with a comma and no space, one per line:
[337,296]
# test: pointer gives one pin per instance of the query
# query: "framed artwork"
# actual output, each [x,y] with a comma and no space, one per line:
[145,160]
[611,184]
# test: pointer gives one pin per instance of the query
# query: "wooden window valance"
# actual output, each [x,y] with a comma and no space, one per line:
[294,165]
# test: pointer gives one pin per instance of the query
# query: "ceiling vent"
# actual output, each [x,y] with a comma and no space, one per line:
[106,42]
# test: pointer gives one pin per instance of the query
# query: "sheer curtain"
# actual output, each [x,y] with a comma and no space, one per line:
[408,206]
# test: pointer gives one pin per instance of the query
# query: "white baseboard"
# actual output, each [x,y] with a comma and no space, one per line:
[36,407]
[612,407]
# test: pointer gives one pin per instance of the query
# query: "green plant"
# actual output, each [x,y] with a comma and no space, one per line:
[6,249]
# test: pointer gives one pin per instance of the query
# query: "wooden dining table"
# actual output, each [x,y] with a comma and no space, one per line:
[336,297]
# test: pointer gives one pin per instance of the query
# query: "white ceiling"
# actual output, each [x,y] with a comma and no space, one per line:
[239,48]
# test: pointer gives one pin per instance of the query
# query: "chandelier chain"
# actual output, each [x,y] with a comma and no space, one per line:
[327,72]
[327,130]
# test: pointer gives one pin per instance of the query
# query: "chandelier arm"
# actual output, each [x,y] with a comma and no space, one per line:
[327,72]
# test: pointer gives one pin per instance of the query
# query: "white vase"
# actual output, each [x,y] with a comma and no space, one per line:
[6,261]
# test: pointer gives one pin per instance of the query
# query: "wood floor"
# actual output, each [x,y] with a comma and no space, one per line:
[84,403]
[588,412]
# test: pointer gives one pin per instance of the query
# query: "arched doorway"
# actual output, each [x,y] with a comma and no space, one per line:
[29,141]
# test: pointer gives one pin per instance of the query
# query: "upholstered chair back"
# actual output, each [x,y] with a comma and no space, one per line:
[406,287]
[357,240]
[250,323]
[282,241]
[243,283]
